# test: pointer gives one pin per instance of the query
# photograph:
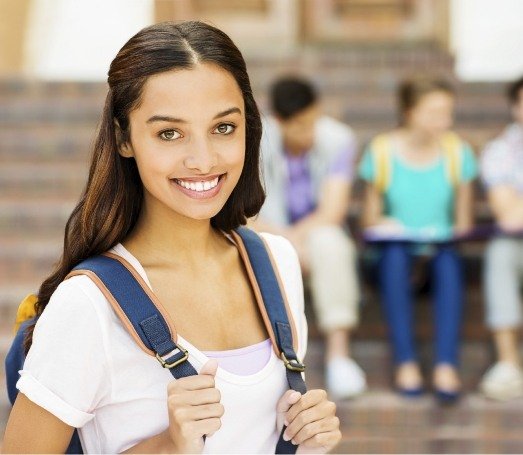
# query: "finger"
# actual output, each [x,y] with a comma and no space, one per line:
[206,426]
[197,413]
[208,411]
[310,399]
[202,396]
[324,442]
[197,382]
[289,398]
[210,368]
[320,411]
[314,428]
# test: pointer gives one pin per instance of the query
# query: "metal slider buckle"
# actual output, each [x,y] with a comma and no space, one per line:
[161,359]
[293,364]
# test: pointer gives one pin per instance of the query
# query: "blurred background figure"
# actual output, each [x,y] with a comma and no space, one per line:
[418,195]
[502,174]
[308,162]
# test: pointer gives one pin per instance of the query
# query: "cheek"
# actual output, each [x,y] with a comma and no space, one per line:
[232,155]
[154,164]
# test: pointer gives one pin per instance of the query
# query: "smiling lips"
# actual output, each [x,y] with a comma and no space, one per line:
[200,189]
[198,186]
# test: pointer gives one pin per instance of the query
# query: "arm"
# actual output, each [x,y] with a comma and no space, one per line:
[372,213]
[507,206]
[463,210]
[48,434]
[32,429]
[161,443]
[333,206]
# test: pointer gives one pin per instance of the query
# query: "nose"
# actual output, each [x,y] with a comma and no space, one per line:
[201,157]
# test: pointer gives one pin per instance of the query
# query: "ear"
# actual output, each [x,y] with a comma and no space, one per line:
[125,147]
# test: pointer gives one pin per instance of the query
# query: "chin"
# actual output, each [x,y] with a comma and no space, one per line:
[202,215]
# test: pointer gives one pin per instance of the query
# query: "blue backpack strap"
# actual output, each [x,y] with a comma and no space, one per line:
[139,310]
[278,314]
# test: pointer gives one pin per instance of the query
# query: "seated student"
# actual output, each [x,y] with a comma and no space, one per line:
[502,173]
[418,194]
[308,166]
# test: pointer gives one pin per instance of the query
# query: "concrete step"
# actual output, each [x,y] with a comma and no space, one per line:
[42,180]
[46,142]
[28,259]
[29,111]
[27,216]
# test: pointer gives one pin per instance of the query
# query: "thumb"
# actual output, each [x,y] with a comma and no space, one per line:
[210,367]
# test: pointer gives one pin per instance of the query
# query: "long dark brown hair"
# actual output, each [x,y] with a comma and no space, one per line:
[112,199]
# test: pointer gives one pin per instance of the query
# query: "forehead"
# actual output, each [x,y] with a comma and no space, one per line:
[307,115]
[202,88]
[436,98]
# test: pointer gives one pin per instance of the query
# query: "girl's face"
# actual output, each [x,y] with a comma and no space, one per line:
[433,114]
[188,140]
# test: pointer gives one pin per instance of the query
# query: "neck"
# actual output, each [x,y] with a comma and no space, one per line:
[164,236]
[294,151]
[419,139]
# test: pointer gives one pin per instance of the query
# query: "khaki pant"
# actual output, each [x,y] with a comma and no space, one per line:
[333,280]
[503,275]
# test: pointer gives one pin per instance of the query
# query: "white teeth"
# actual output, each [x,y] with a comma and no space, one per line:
[199,186]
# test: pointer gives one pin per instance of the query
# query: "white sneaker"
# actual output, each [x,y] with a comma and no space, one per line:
[344,378]
[502,381]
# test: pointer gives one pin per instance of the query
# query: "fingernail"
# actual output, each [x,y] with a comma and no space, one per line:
[286,422]
[294,442]
[285,437]
[295,395]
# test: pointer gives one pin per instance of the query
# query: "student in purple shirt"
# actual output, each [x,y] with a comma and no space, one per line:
[502,174]
[308,164]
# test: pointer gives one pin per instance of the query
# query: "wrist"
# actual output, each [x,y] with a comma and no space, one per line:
[167,445]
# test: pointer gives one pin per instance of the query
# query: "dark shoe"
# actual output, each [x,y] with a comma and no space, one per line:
[446,398]
[411,393]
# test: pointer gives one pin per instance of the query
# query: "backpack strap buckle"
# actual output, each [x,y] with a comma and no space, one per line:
[292,364]
[173,358]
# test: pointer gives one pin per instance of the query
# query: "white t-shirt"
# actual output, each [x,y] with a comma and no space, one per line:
[86,369]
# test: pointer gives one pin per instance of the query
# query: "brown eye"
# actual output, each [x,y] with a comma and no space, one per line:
[225,128]
[169,135]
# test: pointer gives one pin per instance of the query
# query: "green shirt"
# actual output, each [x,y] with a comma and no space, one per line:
[421,198]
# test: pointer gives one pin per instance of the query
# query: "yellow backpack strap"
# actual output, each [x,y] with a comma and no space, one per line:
[380,147]
[26,310]
[452,145]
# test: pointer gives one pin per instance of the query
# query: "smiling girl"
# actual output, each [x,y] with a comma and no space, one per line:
[174,169]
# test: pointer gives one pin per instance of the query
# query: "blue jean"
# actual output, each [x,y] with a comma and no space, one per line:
[394,270]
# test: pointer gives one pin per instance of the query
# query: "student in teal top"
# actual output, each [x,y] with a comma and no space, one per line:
[419,195]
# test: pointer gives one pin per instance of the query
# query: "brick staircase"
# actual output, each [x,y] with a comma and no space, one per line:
[45,133]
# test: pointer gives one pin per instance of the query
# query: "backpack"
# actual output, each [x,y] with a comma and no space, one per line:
[142,315]
[381,147]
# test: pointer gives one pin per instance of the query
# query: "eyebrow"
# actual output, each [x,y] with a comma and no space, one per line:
[166,118]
